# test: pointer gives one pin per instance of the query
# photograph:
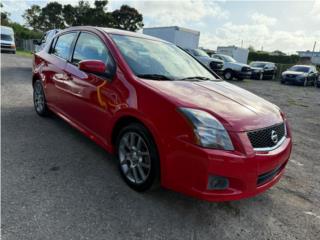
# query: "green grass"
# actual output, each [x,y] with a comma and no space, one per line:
[23,53]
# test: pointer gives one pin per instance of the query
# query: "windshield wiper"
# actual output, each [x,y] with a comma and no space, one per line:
[196,78]
[155,76]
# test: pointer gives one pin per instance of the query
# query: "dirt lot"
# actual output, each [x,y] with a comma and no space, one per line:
[57,184]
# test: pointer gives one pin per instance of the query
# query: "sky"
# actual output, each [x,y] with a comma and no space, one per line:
[288,26]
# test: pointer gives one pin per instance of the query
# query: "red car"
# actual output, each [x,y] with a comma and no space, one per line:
[170,120]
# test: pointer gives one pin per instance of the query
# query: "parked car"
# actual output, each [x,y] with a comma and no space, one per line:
[263,70]
[168,119]
[46,37]
[300,74]
[317,82]
[232,68]
[215,65]
[7,40]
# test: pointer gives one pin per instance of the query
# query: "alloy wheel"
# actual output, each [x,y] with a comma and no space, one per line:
[38,97]
[134,157]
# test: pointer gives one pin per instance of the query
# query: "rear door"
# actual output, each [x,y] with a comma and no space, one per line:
[57,86]
[88,91]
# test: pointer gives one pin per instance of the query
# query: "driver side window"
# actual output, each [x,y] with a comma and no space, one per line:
[90,47]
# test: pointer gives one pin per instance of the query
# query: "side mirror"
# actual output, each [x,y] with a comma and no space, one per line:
[92,66]
[36,42]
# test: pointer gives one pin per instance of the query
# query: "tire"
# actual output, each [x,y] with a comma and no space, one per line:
[228,75]
[261,76]
[138,158]
[39,100]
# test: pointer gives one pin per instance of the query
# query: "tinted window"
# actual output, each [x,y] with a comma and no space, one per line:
[63,45]
[91,47]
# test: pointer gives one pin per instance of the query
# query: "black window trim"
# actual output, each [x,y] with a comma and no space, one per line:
[108,76]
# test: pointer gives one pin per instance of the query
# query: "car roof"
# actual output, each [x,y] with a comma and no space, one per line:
[116,31]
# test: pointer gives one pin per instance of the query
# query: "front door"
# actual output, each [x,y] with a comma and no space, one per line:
[89,102]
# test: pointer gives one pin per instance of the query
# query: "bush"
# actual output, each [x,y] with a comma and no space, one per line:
[264,56]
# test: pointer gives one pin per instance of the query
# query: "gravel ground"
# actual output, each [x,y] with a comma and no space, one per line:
[57,184]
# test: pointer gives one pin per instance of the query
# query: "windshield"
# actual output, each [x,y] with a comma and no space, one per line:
[228,58]
[6,37]
[299,69]
[151,57]
[200,53]
[258,65]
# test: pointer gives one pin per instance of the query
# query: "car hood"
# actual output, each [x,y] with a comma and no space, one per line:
[208,59]
[235,65]
[236,108]
[256,68]
[294,73]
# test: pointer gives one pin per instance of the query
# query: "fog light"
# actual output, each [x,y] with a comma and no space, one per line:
[217,183]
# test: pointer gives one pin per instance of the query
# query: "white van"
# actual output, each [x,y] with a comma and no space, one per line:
[7,40]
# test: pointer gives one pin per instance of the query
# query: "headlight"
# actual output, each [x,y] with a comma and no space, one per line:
[209,131]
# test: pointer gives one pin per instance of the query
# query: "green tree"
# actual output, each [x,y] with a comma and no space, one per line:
[127,18]
[55,15]
[33,17]
[51,16]
[4,16]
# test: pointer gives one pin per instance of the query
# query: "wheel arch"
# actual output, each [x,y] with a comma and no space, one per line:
[124,121]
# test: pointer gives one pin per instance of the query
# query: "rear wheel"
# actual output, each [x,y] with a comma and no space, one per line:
[39,100]
[138,157]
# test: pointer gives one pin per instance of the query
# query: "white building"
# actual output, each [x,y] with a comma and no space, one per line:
[239,54]
[313,56]
[182,37]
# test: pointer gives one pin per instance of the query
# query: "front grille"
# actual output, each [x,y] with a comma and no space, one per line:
[267,137]
[216,66]
[245,69]
[291,75]
[266,177]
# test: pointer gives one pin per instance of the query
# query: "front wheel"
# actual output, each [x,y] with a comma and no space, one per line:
[228,75]
[138,157]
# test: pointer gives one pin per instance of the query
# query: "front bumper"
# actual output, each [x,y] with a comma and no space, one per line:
[244,169]
[256,75]
[293,80]
[242,74]
[7,48]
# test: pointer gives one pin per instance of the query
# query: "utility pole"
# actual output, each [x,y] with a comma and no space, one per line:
[314,47]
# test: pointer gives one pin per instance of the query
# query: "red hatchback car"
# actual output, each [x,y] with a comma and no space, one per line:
[169,119]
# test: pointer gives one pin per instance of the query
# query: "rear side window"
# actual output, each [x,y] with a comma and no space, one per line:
[63,45]
[90,47]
